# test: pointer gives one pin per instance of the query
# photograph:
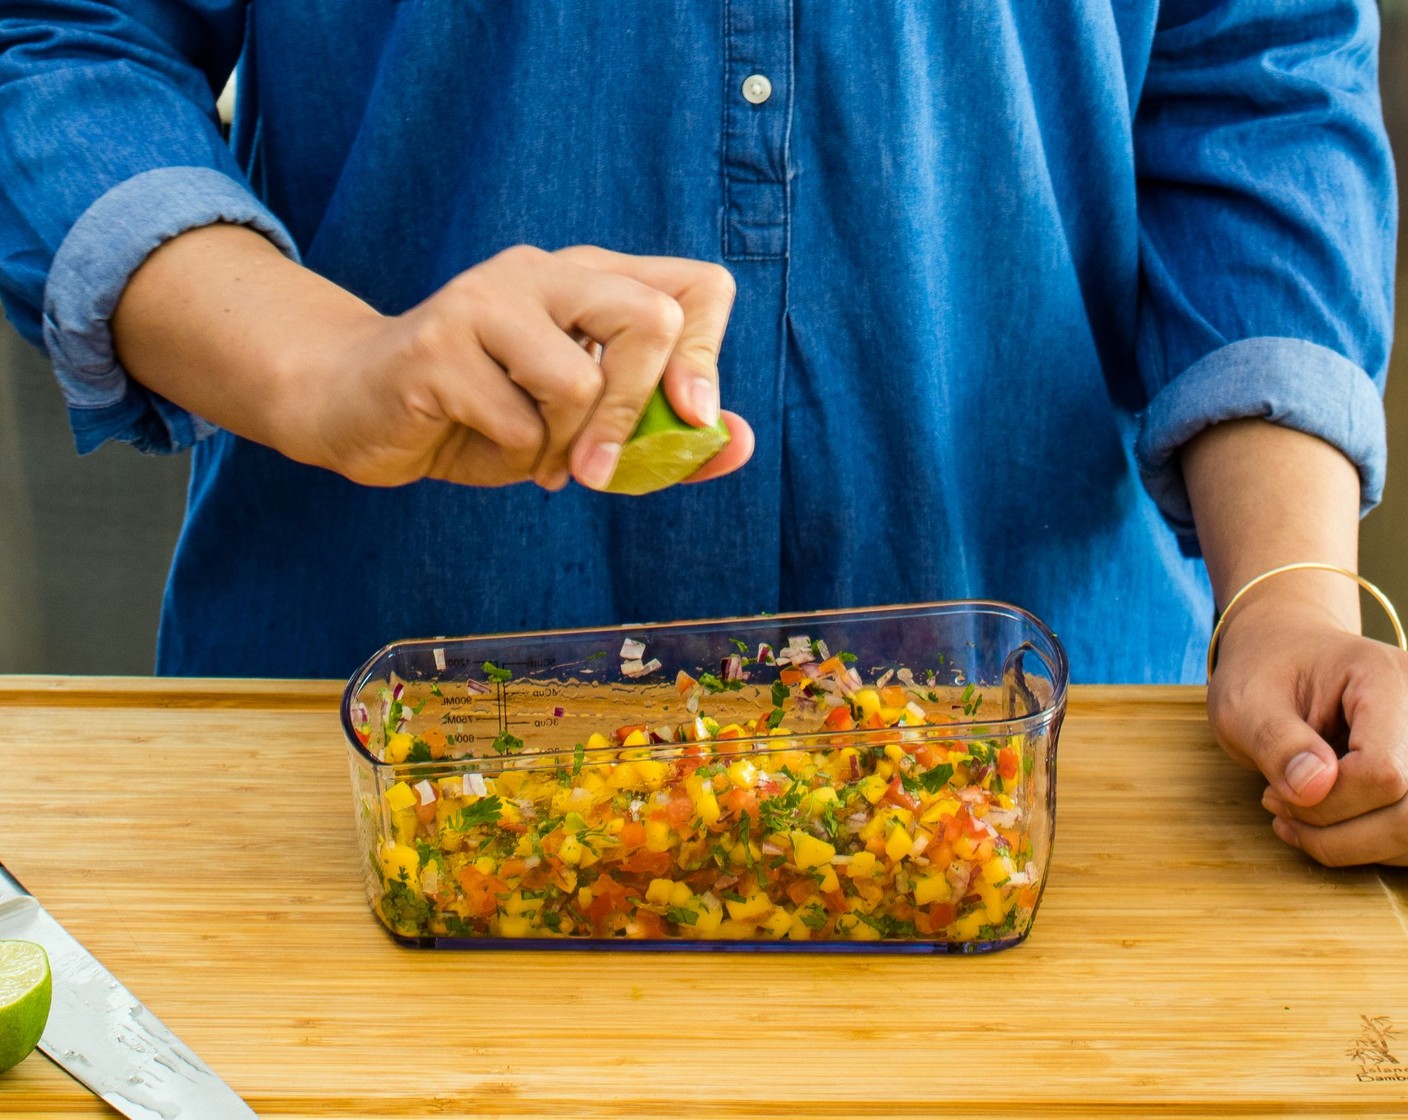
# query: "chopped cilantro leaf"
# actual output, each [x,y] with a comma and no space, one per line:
[712,683]
[420,751]
[934,780]
[731,896]
[779,694]
[506,743]
[681,916]
[578,753]
[486,810]
[496,673]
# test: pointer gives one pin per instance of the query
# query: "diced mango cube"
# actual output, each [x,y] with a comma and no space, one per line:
[398,747]
[933,887]
[872,787]
[659,891]
[863,865]
[868,701]
[708,920]
[752,908]
[658,836]
[707,805]
[515,926]
[399,861]
[636,738]
[743,774]
[898,843]
[818,799]
[829,881]
[571,851]
[808,851]
[652,773]
[776,924]
[400,796]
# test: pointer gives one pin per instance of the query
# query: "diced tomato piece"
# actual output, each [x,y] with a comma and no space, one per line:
[480,891]
[893,696]
[929,755]
[647,863]
[896,794]
[831,667]
[619,735]
[943,914]
[791,676]
[679,811]
[939,853]
[1007,763]
[874,720]
[740,800]
[632,835]
[835,901]
[425,813]
[840,719]
[435,740]
[799,890]
[649,923]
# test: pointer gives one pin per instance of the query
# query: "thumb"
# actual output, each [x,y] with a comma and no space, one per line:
[1297,762]
[1300,766]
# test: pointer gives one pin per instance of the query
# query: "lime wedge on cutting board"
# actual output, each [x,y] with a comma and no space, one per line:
[663,449]
[26,991]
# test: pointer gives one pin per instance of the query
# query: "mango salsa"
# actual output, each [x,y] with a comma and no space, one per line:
[841,811]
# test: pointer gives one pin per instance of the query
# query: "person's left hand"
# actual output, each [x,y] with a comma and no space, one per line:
[1292,687]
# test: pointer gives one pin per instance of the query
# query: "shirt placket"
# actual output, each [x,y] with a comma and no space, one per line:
[757,118]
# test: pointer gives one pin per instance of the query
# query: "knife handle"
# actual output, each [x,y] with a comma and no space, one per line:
[10,886]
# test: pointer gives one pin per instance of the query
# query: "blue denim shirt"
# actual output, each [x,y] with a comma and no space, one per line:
[996,262]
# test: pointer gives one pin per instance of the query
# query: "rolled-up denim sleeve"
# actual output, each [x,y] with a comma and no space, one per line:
[1267,222]
[111,144]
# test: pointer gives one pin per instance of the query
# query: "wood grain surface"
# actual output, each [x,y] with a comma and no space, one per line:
[197,837]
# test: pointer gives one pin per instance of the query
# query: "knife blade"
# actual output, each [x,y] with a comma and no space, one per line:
[103,1036]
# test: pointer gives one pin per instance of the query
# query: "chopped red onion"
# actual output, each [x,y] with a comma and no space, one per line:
[731,669]
[426,792]
[559,712]
[631,650]
[884,678]
[439,654]
[632,668]
[477,687]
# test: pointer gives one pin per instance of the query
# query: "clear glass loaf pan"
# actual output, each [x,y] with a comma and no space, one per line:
[880,779]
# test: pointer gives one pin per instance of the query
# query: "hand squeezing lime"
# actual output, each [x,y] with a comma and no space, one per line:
[26,991]
[664,449]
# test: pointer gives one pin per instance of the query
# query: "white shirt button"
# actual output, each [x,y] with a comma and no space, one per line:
[756,89]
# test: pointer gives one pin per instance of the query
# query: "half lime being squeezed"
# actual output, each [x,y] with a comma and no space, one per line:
[664,449]
[26,993]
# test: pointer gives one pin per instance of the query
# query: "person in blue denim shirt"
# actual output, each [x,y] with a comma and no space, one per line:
[1084,306]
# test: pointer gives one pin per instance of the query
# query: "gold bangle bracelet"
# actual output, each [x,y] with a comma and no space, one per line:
[1304,565]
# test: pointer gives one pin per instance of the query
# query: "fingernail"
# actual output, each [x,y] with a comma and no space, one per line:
[706,400]
[1302,769]
[1285,831]
[600,465]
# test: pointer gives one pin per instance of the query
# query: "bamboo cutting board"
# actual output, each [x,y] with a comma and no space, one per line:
[197,837]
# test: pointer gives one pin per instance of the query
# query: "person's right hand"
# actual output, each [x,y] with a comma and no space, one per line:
[493,379]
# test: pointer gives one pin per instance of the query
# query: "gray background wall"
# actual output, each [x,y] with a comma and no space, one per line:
[84,542]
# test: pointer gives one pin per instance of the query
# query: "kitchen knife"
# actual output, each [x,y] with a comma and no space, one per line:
[102,1035]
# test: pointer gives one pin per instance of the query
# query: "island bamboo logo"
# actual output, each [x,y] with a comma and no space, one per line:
[1371,1050]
